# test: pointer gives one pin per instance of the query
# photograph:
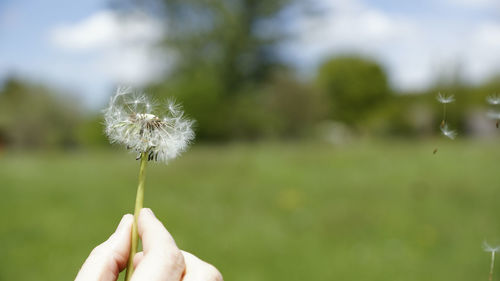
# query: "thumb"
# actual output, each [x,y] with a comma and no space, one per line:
[108,259]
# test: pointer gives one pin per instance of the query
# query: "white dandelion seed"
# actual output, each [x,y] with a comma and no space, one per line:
[447,132]
[443,98]
[132,120]
[493,99]
[492,250]
[488,248]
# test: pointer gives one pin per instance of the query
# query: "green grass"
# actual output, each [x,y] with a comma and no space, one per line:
[365,211]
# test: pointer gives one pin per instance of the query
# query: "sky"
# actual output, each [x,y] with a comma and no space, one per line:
[83,48]
[415,40]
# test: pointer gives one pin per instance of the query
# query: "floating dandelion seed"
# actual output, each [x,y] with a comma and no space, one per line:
[488,248]
[493,99]
[444,99]
[492,250]
[131,120]
[447,132]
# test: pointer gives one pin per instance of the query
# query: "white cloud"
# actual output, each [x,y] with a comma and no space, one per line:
[118,48]
[353,27]
[481,54]
[106,29]
[414,49]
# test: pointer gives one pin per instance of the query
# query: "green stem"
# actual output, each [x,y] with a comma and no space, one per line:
[139,199]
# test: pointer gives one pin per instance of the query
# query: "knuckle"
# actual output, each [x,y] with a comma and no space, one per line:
[175,260]
[178,259]
[99,250]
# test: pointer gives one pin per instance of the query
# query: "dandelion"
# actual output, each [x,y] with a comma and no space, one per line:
[132,120]
[492,250]
[448,132]
[493,99]
[444,99]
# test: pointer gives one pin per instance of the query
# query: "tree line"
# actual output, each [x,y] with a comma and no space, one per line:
[231,77]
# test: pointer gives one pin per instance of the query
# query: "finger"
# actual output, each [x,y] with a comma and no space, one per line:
[162,259]
[107,260]
[138,258]
[198,270]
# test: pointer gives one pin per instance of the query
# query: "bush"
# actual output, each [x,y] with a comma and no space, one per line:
[354,85]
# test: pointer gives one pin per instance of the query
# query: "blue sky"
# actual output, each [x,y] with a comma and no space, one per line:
[24,46]
[81,47]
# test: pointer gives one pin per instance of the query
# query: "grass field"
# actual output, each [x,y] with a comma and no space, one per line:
[365,211]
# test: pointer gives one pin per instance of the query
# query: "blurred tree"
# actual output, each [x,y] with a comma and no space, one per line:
[31,116]
[403,115]
[224,52]
[236,39]
[355,86]
[90,131]
[296,106]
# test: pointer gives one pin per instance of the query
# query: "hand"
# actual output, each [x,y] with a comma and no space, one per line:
[161,260]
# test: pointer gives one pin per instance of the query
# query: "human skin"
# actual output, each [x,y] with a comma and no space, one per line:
[160,260]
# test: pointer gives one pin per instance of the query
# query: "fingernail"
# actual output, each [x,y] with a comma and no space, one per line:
[149,211]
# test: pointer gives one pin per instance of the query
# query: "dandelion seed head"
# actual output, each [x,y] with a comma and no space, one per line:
[443,98]
[130,120]
[493,99]
[445,130]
